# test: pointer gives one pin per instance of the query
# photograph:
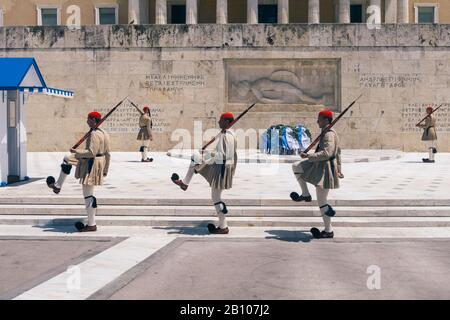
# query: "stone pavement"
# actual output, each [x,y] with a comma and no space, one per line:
[273,263]
[28,261]
[227,269]
[152,242]
[405,178]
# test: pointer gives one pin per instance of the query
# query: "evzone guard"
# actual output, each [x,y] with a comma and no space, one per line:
[321,170]
[429,135]
[218,168]
[92,164]
[145,133]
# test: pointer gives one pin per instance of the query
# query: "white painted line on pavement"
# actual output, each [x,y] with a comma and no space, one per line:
[97,271]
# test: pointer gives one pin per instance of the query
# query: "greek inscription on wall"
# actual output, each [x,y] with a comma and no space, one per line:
[169,82]
[126,120]
[375,80]
[414,112]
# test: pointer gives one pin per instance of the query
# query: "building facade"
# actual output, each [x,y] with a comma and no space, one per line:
[223,60]
[92,12]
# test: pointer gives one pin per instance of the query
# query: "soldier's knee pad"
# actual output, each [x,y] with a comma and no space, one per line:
[196,157]
[222,207]
[93,203]
[330,211]
[65,167]
[434,150]
[141,149]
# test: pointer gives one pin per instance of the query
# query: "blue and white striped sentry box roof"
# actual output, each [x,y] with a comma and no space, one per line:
[49,92]
[24,75]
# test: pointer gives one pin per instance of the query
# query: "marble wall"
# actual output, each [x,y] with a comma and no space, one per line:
[190,73]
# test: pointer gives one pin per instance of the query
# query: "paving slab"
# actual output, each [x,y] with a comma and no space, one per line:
[270,269]
[403,179]
[27,261]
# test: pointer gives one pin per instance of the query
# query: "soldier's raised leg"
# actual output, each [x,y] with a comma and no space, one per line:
[184,184]
[305,196]
[66,167]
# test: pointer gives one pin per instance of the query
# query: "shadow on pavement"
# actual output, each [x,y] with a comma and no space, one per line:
[193,231]
[289,235]
[21,183]
[59,228]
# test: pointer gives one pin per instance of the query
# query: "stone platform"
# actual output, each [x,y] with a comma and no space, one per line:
[403,192]
[256,156]
[399,182]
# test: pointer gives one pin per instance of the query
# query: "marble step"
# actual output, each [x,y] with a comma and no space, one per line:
[161,221]
[60,200]
[235,211]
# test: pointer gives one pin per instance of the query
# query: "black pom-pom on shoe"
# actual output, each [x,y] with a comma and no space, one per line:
[315,233]
[79,225]
[298,198]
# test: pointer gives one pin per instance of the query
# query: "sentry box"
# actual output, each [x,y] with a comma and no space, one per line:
[19,77]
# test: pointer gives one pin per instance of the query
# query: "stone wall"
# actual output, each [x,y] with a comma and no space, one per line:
[184,73]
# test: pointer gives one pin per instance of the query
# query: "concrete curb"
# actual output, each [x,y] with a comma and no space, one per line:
[234,211]
[102,201]
[47,221]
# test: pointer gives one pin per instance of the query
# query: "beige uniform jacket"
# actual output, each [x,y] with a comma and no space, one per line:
[93,162]
[321,167]
[429,129]
[145,125]
[218,167]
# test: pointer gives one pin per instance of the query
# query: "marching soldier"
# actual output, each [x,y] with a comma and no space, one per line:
[217,168]
[429,134]
[92,166]
[322,169]
[145,133]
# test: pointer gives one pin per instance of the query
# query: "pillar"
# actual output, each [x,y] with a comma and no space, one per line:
[314,11]
[222,12]
[161,12]
[390,11]
[252,11]
[191,12]
[376,3]
[134,12]
[402,11]
[283,11]
[3,138]
[344,11]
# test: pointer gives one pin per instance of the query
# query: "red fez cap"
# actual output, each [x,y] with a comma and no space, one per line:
[146,108]
[429,108]
[227,115]
[326,114]
[95,115]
